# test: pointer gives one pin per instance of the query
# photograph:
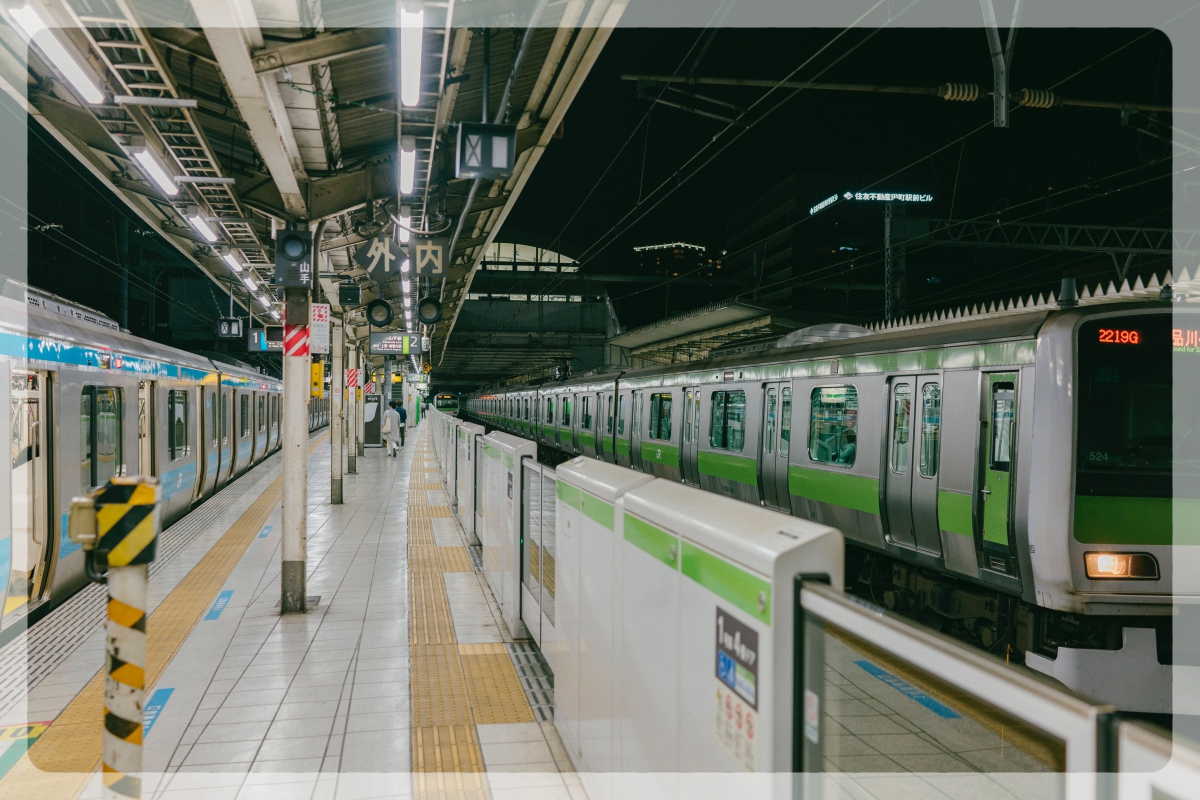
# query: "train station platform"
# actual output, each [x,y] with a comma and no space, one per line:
[401,680]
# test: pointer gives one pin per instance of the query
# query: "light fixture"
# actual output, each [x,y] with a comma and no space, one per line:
[231,260]
[248,279]
[408,163]
[37,31]
[412,31]
[275,314]
[407,301]
[266,301]
[203,227]
[156,171]
[405,223]
[406,285]
[1134,566]
[405,266]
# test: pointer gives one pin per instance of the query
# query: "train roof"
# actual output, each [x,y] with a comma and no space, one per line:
[1020,319]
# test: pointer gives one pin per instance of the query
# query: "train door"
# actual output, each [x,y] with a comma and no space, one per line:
[26,551]
[635,429]
[146,428]
[915,418]
[999,438]
[691,435]
[775,447]
[226,448]
[210,459]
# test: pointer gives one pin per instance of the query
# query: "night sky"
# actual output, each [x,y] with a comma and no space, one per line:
[1078,165]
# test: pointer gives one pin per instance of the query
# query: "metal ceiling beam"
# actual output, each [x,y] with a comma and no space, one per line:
[322,47]
[257,99]
[1053,236]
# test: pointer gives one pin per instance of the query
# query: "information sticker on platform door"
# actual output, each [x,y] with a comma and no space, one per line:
[737,690]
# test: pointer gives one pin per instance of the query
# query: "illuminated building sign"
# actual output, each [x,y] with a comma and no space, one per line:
[1185,341]
[1119,336]
[828,201]
[902,197]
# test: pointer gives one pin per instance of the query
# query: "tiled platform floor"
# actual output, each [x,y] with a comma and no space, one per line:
[320,705]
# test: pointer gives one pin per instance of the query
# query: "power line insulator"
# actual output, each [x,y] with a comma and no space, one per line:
[959,91]
[1038,98]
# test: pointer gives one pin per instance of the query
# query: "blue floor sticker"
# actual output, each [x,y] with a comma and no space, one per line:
[154,708]
[219,604]
[908,690]
[265,532]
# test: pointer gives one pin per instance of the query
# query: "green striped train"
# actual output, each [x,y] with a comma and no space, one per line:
[1006,476]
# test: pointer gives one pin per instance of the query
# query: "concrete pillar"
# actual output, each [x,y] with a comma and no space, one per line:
[337,419]
[352,416]
[360,412]
[295,476]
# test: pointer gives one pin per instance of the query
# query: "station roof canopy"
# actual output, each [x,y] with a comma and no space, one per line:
[220,121]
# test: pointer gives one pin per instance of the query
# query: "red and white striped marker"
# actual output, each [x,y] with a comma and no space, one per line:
[369,388]
[351,378]
[295,340]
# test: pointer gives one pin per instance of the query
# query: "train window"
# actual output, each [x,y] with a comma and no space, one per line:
[785,423]
[931,428]
[608,416]
[728,430]
[102,454]
[772,413]
[621,416]
[549,410]
[901,427]
[660,416]
[1003,405]
[177,433]
[585,413]
[224,418]
[687,417]
[566,412]
[244,417]
[212,417]
[833,427]
[262,413]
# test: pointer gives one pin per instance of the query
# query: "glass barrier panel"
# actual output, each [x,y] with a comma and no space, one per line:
[1153,767]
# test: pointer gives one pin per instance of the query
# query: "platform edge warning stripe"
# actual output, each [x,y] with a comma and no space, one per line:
[63,759]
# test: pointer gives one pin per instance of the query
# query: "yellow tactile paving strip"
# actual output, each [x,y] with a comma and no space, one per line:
[64,758]
[454,686]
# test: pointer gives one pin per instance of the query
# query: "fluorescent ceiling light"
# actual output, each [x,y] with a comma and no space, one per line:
[407,301]
[275,314]
[231,260]
[405,223]
[405,266]
[406,285]
[412,31]
[408,163]
[156,172]
[37,31]
[248,279]
[205,229]
[266,301]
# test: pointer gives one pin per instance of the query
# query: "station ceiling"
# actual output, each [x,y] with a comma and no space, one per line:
[275,112]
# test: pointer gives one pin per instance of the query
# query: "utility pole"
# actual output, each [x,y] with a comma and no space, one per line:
[895,261]
[337,426]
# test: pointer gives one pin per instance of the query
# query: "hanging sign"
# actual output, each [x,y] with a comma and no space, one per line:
[381,258]
[430,256]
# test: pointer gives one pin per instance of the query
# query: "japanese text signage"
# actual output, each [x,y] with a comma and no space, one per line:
[430,256]
[391,343]
[381,258]
[319,329]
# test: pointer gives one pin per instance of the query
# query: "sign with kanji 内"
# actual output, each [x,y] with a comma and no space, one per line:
[430,256]
[381,258]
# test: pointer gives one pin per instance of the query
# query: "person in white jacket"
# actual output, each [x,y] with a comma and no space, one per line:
[391,429]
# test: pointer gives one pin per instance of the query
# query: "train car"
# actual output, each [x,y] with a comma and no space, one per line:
[1004,476]
[447,403]
[87,401]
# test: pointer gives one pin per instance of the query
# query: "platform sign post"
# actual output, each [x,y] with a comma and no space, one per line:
[118,526]
[294,547]
[351,411]
[337,381]
[360,410]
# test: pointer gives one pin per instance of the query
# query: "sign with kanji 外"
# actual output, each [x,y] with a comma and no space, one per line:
[381,258]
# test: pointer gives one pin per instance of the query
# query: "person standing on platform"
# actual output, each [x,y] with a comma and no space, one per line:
[392,429]
[403,421]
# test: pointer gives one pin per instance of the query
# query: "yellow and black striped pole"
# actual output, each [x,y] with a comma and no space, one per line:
[127,519]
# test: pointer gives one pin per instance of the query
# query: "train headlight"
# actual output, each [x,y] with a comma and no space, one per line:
[1129,566]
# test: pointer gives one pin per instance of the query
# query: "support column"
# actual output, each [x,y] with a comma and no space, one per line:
[352,414]
[337,418]
[895,261]
[360,410]
[295,451]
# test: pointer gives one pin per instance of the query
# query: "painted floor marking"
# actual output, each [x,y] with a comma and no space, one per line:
[219,605]
[153,708]
[21,737]
[908,690]
[266,531]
